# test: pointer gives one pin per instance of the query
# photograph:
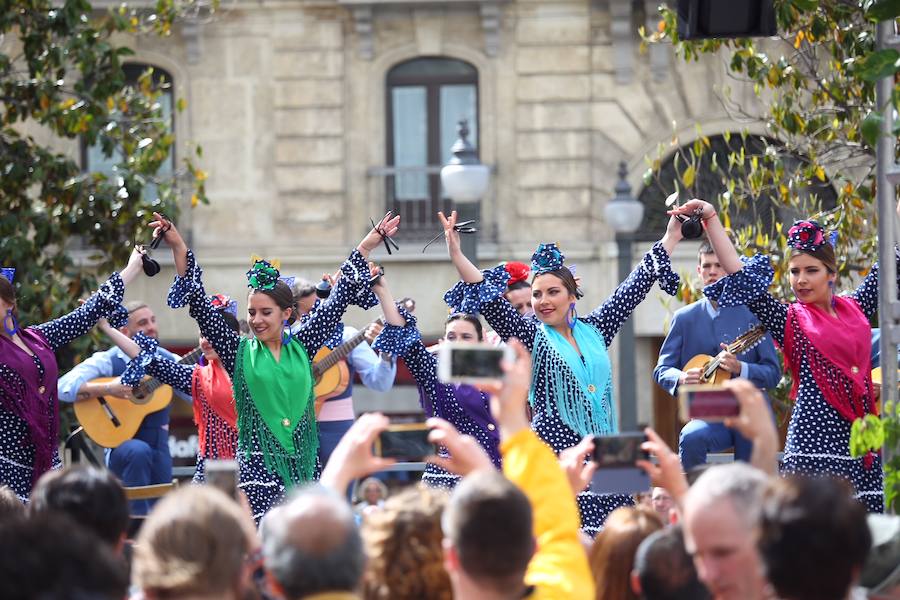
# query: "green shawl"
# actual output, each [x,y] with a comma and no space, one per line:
[275,402]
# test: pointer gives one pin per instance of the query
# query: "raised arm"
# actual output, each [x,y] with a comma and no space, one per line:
[467,271]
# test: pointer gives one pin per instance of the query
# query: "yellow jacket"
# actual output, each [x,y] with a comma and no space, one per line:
[559,568]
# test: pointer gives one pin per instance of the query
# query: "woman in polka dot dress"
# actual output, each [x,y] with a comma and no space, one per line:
[465,407]
[208,385]
[271,372]
[571,389]
[826,340]
[29,410]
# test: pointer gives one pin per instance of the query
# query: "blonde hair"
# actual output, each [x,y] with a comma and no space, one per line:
[193,542]
[612,555]
[404,545]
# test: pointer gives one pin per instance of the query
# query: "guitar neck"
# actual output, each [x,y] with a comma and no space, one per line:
[341,352]
[153,384]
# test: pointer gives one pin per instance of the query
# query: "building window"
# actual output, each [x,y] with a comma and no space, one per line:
[94,160]
[426,97]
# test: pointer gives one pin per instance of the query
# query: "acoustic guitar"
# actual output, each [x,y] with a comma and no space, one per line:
[330,372]
[712,371]
[110,420]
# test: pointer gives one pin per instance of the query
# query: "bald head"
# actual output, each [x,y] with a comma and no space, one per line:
[311,544]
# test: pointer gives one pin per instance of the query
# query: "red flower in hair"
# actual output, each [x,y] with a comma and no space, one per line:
[517,272]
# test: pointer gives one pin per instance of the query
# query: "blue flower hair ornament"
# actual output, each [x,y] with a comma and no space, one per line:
[8,272]
[547,257]
[262,275]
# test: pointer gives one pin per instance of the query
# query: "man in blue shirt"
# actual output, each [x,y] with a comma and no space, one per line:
[144,459]
[703,328]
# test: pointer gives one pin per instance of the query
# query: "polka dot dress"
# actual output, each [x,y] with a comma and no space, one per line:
[17,449]
[466,408]
[265,489]
[818,438]
[608,318]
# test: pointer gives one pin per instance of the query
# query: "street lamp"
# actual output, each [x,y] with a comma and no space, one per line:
[465,180]
[624,214]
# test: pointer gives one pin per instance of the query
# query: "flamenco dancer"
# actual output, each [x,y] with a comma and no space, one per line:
[826,340]
[571,389]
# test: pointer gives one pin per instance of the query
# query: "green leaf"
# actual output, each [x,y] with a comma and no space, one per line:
[871,128]
[883,63]
[882,10]
[805,4]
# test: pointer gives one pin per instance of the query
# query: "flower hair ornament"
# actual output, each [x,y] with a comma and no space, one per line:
[263,275]
[224,303]
[8,272]
[517,271]
[547,257]
[807,235]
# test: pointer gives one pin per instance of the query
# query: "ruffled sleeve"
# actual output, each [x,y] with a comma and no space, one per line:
[657,263]
[744,286]
[187,286]
[398,340]
[471,297]
[137,367]
[102,303]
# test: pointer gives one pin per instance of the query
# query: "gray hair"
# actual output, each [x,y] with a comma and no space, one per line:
[311,544]
[738,482]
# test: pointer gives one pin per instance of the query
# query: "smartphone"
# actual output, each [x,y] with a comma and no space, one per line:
[462,362]
[707,403]
[616,456]
[405,442]
[223,474]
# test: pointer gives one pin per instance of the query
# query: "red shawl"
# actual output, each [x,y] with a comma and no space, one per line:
[214,410]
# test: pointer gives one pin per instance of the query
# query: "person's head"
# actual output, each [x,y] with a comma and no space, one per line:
[664,571]
[51,557]
[463,327]
[708,267]
[519,295]
[812,266]
[92,497]
[721,514]
[612,554]
[552,295]
[813,538]
[194,543]
[403,542]
[268,310]
[372,491]
[141,318]
[7,298]
[10,505]
[304,295]
[662,502]
[488,539]
[232,322]
[311,545]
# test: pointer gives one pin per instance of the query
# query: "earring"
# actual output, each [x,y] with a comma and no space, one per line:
[571,316]
[285,333]
[831,287]
[15,323]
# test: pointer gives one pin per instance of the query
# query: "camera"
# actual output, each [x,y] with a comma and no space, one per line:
[405,442]
[462,362]
[707,402]
[616,456]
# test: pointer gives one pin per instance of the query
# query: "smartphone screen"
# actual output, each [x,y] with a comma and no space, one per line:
[707,402]
[470,363]
[405,443]
[616,456]
[223,474]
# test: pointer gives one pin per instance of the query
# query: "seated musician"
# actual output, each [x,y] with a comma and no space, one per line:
[705,328]
[144,459]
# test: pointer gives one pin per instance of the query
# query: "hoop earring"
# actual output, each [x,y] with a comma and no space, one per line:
[15,322]
[571,316]
[285,333]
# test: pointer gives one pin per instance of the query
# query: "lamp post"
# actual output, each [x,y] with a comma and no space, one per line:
[624,214]
[465,180]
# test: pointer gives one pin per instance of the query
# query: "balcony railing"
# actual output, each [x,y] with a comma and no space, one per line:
[415,194]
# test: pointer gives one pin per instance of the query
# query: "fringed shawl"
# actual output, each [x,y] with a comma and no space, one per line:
[214,411]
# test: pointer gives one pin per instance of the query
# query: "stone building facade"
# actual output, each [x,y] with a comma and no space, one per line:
[290,101]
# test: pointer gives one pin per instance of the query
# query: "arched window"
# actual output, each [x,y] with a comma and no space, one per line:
[713,170]
[94,160]
[426,97]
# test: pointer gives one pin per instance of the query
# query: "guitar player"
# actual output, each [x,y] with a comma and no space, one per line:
[144,459]
[377,373]
[704,328]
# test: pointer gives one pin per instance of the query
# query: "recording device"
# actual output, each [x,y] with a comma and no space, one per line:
[223,474]
[707,402]
[463,362]
[405,442]
[615,456]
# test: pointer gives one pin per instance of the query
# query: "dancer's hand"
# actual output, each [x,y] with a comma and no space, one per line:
[691,206]
[572,460]
[166,228]
[389,224]
[466,454]
[134,267]
[451,236]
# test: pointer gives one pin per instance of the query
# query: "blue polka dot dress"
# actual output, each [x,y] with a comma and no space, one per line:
[28,396]
[265,489]
[486,297]
[818,438]
[464,406]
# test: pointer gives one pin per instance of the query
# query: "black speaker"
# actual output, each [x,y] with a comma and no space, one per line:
[702,19]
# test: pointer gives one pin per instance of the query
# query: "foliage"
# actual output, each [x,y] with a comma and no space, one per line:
[62,87]
[807,146]
[891,419]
